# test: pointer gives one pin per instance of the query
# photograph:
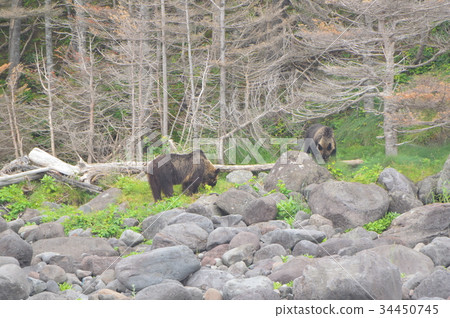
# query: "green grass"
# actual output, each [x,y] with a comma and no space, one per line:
[64,286]
[379,226]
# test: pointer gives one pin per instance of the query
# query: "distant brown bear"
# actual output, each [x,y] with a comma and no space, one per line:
[323,137]
[190,170]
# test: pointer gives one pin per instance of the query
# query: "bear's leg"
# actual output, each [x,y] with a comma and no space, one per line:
[155,186]
[191,186]
[167,188]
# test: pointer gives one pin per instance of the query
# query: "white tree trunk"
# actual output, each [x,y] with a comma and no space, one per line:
[165,110]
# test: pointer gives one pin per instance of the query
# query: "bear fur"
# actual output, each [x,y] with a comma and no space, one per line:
[324,140]
[189,170]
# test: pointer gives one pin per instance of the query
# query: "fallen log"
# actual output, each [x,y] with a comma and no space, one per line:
[22,176]
[252,168]
[41,158]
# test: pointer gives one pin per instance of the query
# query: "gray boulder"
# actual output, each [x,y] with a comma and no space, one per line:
[155,223]
[268,252]
[349,204]
[202,221]
[44,231]
[97,265]
[11,244]
[427,188]
[241,253]
[407,260]
[232,220]
[402,202]
[221,235]
[296,170]
[52,272]
[266,227]
[142,270]
[254,288]
[239,176]
[333,246]
[102,201]
[131,238]
[3,225]
[420,225]
[260,210]
[74,246]
[205,205]
[439,251]
[435,285]
[207,278]
[14,225]
[443,183]
[243,238]
[306,248]
[8,260]
[288,238]
[395,181]
[189,234]
[362,276]
[233,201]
[13,283]
[290,270]
[167,290]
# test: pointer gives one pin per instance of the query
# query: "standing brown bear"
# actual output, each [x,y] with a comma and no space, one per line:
[323,137]
[190,170]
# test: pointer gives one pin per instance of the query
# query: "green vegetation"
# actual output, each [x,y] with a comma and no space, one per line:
[382,224]
[287,209]
[64,286]
[284,258]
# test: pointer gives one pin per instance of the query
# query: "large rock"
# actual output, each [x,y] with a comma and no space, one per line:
[395,181]
[435,285]
[202,221]
[269,251]
[131,238]
[427,188]
[439,251]
[168,290]
[296,170]
[44,231]
[239,176]
[142,270]
[443,183]
[290,270]
[189,234]
[349,204]
[241,253]
[207,278]
[420,225]
[407,260]
[243,238]
[102,201]
[260,210]
[288,238]
[155,223]
[221,235]
[209,258]
[3,224]
[254,288]
[52,272]
[13,283]
[233,201]
[402,202]
[74,246]
[362,276]
[11,244]
[97,265]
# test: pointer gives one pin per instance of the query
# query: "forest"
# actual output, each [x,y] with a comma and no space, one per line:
[114,80]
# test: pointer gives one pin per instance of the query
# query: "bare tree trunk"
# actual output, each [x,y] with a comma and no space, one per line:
[12,115]
[92,103]
[390,135]
[49,67]
[223,81]
[165,110]
[14,40]
[193,105]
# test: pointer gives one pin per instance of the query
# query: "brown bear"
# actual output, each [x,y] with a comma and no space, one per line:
[323,138]
[190,170]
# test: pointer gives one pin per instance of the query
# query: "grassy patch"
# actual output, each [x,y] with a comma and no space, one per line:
[381,225]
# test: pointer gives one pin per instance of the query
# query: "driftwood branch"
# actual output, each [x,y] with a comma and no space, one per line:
[19,177]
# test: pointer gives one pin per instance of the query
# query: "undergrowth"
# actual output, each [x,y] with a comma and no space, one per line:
[379,226]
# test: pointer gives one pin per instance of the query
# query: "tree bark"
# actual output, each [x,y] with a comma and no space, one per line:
[14,39]
[165,110]
[223,82]
[49,67]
